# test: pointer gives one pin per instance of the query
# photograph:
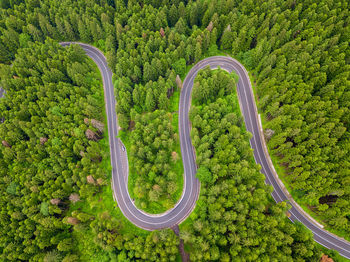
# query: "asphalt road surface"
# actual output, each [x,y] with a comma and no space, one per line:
[191,184]
[2,92]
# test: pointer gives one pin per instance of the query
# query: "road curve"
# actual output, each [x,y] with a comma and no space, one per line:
[191,184]
[119,181]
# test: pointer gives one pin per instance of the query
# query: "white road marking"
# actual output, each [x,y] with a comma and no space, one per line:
[177,217]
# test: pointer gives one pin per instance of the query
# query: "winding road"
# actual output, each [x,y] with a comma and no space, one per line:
[191,184]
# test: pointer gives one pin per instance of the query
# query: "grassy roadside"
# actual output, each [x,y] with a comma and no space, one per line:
[159,206]
[156,208]
[178,166]
[236,109]
[232,99]
[106,194]
[102,201]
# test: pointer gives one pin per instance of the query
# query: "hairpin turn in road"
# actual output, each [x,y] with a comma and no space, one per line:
[191,184]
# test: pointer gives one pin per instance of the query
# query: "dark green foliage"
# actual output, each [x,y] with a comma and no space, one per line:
[42,122]
[302,67]
[153,161]
[235,217]
[50,167]
[180,66]
[299,53]
[209,86]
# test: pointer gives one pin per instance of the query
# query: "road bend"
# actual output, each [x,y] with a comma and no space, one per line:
[191,190]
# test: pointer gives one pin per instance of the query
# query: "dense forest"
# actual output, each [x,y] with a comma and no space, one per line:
[46,158]
[50,164]
[235,217]
[155,163]
[52,168]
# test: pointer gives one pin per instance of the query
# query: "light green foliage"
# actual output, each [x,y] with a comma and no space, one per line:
[203,174]
[235,217]
[180,66]
[209,85]
[308,107]
[44,208]
[41,125]
[297,50]
[154,162]
[11,188]
[48,162]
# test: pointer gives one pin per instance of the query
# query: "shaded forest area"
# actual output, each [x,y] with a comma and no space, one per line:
[298,52]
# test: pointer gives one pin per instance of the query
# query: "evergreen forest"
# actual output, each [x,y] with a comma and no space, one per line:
[56,198]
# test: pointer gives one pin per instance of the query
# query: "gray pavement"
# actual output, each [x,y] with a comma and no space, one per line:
[192,186]
[2,94]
